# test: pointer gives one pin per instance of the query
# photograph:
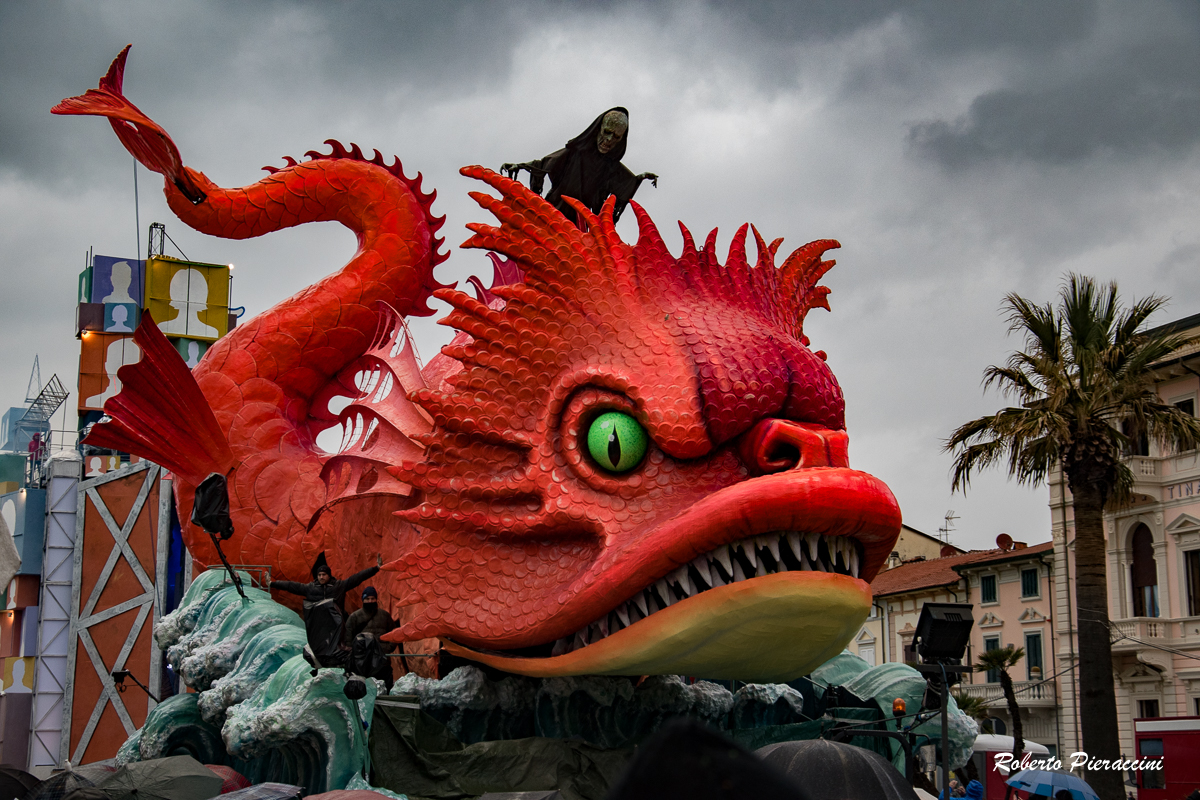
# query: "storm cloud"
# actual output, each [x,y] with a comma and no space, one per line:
[958,151]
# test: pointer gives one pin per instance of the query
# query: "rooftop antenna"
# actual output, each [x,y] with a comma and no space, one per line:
[35,382]
[945,531]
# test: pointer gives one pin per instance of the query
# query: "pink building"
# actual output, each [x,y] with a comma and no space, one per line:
[1153,573]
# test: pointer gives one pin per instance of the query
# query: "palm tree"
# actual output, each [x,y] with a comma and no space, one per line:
[1086,370]
[999,661]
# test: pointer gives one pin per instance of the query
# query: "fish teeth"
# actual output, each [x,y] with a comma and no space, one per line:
[748,548]
[796,543]
[601,626]
[854,561]
[652,600]
[762,569]
[738,575]
[561,647]
[717,580]
[581,639]
[640,600]
[772,543]
[722,555]
[623,614]
[664,592]
[812,539]
[684,580]
[701,565]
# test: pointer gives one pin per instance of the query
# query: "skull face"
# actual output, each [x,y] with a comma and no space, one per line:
[612,131]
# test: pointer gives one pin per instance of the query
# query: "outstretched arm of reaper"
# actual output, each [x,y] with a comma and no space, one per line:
[537,170]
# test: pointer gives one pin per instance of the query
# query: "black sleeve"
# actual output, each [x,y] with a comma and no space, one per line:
[359,577]
[290,586]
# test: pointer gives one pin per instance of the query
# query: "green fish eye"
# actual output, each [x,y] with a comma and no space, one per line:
[617,441]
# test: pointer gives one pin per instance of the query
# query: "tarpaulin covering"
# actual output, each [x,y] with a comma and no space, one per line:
[413,753]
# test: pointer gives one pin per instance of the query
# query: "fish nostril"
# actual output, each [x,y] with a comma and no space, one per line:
[777,456]
[779,445]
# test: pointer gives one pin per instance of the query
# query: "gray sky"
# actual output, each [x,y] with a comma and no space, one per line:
[959,151]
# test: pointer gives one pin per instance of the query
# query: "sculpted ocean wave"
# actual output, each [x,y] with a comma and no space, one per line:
[259,708]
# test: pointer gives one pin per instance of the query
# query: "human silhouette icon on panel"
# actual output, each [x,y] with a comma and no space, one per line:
[193,356]
[115,357]
[122,277]
[120,321]
[189,296]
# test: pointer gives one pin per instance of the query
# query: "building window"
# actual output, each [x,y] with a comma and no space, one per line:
[1029,583]
[1187,406]
[1144,574]
[987,588]
[998,726]
[867,654]
[1033,656]
[991,643]
[910,651]
[1137,443]
[1191,566]
[1147,709]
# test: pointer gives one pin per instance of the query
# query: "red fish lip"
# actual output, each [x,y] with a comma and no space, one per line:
[830,501]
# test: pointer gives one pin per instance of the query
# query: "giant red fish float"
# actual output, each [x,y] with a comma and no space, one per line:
[626,462]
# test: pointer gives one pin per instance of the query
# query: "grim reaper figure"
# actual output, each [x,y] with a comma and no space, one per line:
[589,168]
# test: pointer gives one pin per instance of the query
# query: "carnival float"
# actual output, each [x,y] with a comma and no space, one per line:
[627,466]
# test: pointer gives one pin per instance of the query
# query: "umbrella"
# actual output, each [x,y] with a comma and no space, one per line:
[263,791]
[349,794]
[56,787]
[87,793]
[1049,782]
[835,770]
[233,780]
[14,783]
[173,778]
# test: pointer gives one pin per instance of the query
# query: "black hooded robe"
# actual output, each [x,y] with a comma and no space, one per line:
[325,610]
[581,171]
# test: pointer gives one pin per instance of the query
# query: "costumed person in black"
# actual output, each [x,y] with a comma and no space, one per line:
[325,609]
[589,168]
[373,620]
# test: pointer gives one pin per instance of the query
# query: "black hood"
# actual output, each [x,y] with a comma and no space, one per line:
[589,136]
[321,562]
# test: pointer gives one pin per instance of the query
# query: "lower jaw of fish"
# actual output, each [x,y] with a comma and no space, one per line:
[770,629]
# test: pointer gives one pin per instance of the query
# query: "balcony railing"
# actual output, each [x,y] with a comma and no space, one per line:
[1142,628]
[1143,467]
[1029,693]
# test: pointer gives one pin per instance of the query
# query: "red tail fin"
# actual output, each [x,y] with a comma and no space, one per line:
[142,136]
[161,414]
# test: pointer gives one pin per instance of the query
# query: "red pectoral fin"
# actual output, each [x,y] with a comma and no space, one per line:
[142,136]
[161,414]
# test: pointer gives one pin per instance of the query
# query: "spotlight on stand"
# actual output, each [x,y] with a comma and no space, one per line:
[942,634]
[119,676]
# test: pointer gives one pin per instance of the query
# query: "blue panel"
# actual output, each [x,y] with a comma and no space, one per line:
[118,280]
[25,511]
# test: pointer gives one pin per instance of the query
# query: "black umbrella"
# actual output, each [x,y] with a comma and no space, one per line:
[835,771]
[686,760]
[264,791]
[172,778]
[57,787]
[14,783]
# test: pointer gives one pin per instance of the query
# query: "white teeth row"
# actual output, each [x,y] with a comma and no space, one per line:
[750,558]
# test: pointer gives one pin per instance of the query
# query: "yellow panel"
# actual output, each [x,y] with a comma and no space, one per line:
[189,299]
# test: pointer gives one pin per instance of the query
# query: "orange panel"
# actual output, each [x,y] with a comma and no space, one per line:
[85,691]
[109,636]
[23,591]
[97,544]
[142,539]
[119,495]
[10,633]
[108,737]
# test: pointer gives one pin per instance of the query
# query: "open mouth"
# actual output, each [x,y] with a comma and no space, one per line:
[773,584]
[755,557]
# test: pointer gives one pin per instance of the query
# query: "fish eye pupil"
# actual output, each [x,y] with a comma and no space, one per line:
[616,441]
